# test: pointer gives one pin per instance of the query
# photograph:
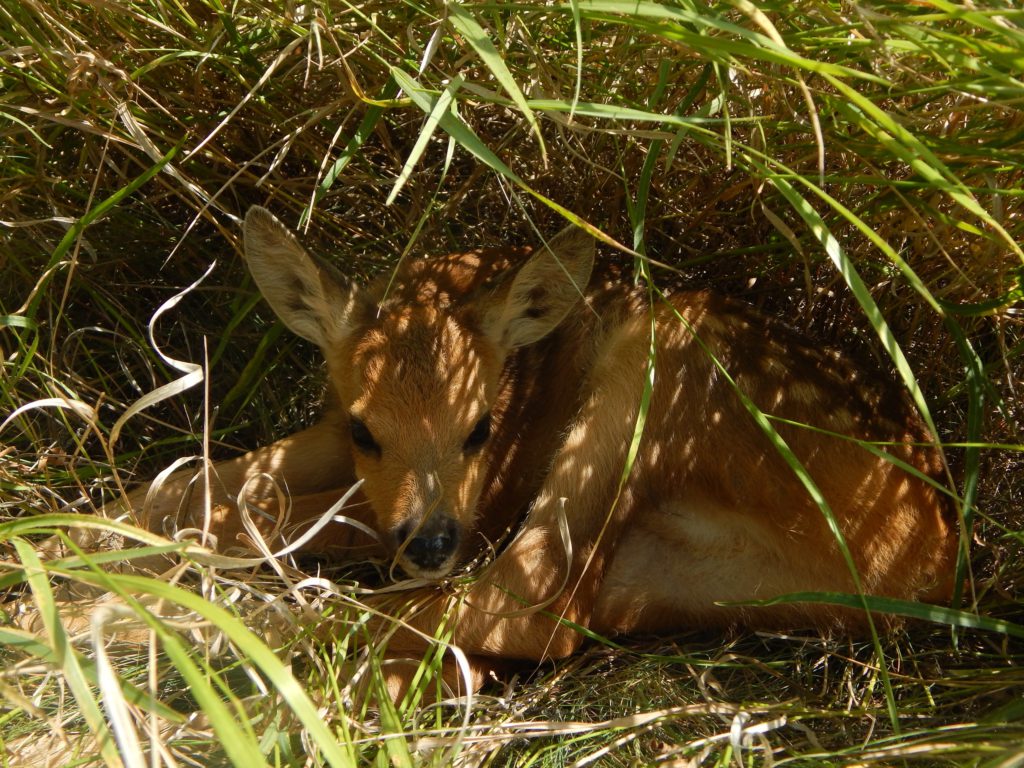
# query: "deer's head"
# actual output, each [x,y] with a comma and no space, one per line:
[416,364]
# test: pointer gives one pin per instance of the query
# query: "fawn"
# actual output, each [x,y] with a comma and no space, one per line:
[477,390]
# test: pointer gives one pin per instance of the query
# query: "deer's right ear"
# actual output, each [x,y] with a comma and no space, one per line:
[308,297]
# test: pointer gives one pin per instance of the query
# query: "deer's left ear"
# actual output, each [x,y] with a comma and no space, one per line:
[544,290]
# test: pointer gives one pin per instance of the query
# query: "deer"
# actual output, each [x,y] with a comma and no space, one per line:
[500,390]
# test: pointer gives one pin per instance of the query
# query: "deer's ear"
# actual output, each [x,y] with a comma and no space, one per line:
[308,296]
[545,289]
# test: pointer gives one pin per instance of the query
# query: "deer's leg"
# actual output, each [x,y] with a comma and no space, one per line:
[340,539]
[457,681]
[311,469]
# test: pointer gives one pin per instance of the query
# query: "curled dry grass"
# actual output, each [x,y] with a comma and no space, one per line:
[770,151]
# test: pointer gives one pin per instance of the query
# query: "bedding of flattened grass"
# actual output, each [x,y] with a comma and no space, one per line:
[853,167]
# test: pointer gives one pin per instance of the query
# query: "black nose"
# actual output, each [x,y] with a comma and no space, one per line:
[429,545]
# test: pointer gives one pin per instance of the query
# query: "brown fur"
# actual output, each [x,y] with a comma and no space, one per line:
[709,513]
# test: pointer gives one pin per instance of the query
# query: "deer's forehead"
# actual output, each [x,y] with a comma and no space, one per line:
[424,356]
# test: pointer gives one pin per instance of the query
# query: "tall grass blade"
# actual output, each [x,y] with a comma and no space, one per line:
[464,23]
[906,608]
[441,106]
[242,750]
[64,654]
[860,291]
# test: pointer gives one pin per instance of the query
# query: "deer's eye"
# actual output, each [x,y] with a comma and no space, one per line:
[362,437]
[478,436]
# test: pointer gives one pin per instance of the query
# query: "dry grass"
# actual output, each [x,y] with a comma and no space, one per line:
[748,149]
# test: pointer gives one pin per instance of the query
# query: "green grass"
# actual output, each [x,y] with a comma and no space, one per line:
[855,168]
